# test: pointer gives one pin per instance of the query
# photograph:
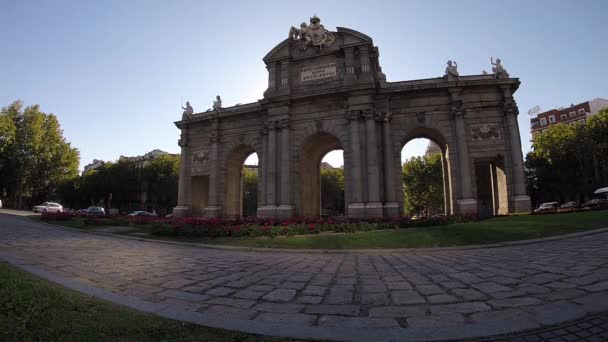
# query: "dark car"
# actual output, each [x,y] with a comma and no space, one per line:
[596,203]
[95,211]
[547,207]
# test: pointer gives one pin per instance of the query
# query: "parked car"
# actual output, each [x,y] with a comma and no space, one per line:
[0,204]
[570,205]
[95,211]
[596,203]
[48,207]
[601,193]
[141,213]
[547,207]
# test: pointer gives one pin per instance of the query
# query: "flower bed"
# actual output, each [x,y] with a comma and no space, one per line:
[215,227]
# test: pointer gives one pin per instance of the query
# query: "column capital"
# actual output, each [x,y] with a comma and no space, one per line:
[386,117]
[182,142]
[214,138]
[352,115]
[270,125]
[369,114]
[283,123]
[509,107]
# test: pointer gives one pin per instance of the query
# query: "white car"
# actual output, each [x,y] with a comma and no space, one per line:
[48,207]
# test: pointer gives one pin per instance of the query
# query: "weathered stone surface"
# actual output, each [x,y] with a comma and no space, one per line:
[289,318]
[436,321]
[397,311]
[324,309]
[403,297]
[490,287]
[374,298]
[280,295]
[229,312]
[183,295]
[469,294]
[556,312]
[508,320]
[356,322]
[513,302]
[464,308]
[279,308]
[309,299]
[314,290]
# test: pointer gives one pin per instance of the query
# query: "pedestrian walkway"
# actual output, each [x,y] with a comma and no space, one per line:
[432,295]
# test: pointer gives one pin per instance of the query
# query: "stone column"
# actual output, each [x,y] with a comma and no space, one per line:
[183,190]
[263,169]
[213,207]
[373,207]
[391,207]
[270,166]
[286,207]
[349,62]
[356,207]
[466,202]
[519,193]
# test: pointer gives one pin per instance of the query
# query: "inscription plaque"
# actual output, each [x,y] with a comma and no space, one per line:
[317,72]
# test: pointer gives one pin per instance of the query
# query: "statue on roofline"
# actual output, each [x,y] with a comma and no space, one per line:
[314,34]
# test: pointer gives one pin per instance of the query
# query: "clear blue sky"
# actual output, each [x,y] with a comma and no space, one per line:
[115,72]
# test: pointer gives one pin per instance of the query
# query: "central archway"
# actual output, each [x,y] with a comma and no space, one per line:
[313,150]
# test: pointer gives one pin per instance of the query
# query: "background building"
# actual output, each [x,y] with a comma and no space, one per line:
[570,115]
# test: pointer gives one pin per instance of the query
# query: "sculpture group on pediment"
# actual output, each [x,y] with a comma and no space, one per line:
[314,34]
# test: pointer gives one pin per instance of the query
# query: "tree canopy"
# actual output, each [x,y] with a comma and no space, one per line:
[568,162]
[423,185]
[35,157]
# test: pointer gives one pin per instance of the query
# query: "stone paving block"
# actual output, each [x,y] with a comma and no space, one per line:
[562,294]
[237,303]
[403,297]
[293,285]
[177,294]
[439,321]
[279,307]
[584,280]
[309,299]
[248,294]
[260,288]
[453,285]
[542,278]
[339,295]
[356,322]
[374,298]
[280,295]
[602,286]
[533,288]
[514,302]
[229,312]
[346,281]
[220,291]
[429,289]
[373,288]
[507,294]
[397,311]
[398,285]
[312,290]
[441,298]
[465,277]
[560,285]
[178,283]
[490,287]
[469,294]
[327,309]
[464,308]
[289,318]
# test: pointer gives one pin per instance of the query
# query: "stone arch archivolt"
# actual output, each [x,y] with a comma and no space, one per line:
[233,197]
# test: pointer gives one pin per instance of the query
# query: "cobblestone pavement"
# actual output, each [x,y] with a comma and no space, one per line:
[433,295]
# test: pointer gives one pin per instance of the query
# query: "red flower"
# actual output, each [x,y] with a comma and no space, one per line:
[311,226]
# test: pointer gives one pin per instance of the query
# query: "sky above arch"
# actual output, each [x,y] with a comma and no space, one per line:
[116,72]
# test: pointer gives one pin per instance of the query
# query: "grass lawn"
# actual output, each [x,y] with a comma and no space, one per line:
[33,309]
[499,229]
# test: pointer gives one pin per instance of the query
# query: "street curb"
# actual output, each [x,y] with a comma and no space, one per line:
[337,251]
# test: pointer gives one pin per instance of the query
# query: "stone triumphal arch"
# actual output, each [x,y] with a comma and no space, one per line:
[326,91]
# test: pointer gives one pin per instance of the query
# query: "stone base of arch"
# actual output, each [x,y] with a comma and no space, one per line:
[213,211]
[467,206]
[391,209]
[181,211]
[521,204]
[356,209]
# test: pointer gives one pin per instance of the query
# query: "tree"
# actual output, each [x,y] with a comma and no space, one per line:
[250,191]
[332,190]
[34,156]
[568,162]
[423,184]
[159,180]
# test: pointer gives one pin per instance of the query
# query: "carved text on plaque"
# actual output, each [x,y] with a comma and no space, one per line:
[317,72]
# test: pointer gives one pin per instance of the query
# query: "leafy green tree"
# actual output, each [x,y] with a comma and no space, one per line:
[332,191]
[250,191]
[423,185]
[159,180]
[34,156]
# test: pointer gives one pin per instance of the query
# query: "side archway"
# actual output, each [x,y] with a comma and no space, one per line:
[233,180]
